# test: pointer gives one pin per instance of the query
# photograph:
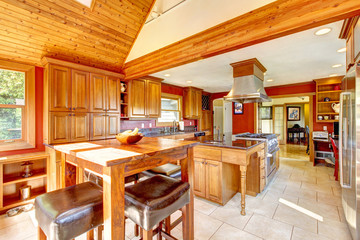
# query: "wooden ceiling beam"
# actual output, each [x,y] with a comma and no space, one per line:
[277,19]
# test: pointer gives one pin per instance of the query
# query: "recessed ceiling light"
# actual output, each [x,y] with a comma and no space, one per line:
[270,80]
[189,81]
[333,75]
[167,75]
[322,31]
[337,65]
[341,50]
[264,73]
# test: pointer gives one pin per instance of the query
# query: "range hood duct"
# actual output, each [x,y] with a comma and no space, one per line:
[248,85]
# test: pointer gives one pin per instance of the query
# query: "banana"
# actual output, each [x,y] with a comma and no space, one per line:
[126,133]
[135,132]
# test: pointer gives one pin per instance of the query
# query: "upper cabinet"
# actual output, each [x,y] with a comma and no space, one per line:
[60,88]
[192,103]
[351,33]
[80,102]
[145,97]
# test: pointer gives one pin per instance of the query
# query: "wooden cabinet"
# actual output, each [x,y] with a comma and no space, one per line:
[68,127]
[199,177]
[60,88]
[104,126]
[145,98]
[71,93]
[213,180]
[357,41]
[350,50]
[206,123]
[192,103]
[350,31]
[80,91]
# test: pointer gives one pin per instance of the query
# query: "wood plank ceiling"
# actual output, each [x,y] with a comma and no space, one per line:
[100,37]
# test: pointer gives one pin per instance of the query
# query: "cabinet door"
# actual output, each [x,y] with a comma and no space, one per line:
[80,91]
[59,127]
[197,104]
[350,50]
[97,126]
[188,103]
[112,94]
[59,89]
[97,93]
[112,125]
[199,177]
[138,98]
[213,180]
[153,107]
[80,127]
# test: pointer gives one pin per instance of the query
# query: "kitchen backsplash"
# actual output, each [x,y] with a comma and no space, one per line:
[146,124]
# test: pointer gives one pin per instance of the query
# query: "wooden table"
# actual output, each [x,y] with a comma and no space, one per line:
[113,162]
[292,131]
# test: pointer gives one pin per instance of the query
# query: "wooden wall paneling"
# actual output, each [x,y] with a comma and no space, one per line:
[153,103]
[59,127]
[80,91]
[80,123]
[97,93]
[60,87]
[277,19]
[97,126]
[112,94]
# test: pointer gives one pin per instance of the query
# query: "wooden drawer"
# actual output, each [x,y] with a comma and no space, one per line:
[233,156]
[207,153]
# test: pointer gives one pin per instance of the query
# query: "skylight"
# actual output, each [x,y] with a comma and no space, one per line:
[85,2]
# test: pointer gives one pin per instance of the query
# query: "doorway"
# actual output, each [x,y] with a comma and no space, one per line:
[222,117]
[290,118]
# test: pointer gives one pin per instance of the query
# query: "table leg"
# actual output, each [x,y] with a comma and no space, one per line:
[188,210]
[243,189]
[63,170]
[114,202]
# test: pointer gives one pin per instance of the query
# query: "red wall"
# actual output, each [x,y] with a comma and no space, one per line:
[309,87]
[39,73]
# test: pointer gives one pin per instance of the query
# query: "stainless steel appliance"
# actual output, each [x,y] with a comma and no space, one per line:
[321,135]
[349,149]
[271,147]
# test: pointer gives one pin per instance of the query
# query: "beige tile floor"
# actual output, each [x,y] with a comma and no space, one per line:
[308,189]
[294,151]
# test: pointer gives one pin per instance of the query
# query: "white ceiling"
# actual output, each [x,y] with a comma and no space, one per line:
[296,58]
[186,19]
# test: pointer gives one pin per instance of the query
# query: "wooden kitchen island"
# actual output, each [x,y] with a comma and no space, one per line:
[113,162]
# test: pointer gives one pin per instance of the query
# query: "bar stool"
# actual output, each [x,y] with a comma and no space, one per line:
[69,212]
[149,202]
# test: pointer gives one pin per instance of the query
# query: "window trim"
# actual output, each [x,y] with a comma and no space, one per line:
[28,122]
[179,98]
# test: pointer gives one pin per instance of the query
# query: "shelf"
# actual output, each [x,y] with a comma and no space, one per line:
[327,113]
[328,121]
[330,102]
[12,180]
[332,91]
[10,202]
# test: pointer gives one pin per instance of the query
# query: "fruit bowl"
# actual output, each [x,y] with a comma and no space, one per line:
[129,137]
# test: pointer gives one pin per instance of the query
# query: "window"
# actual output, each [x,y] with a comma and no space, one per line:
[17,106]
[12,104]
[170,108]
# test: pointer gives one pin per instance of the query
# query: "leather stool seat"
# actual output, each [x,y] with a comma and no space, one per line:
[169,169]
[149,202]
[69,212]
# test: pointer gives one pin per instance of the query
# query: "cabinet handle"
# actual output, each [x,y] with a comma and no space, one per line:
[73,108]
[69,114]
[70,108]
[74,115]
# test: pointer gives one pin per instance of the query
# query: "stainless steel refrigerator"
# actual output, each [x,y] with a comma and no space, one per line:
[349,149]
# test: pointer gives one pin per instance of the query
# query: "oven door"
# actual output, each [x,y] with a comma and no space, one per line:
[271,164]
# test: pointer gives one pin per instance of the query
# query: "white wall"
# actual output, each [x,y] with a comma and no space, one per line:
[187,19]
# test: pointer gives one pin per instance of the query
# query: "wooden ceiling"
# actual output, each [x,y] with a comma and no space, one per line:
[100,37]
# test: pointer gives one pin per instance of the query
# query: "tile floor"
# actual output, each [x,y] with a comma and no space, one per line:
[278,213]
[294,151]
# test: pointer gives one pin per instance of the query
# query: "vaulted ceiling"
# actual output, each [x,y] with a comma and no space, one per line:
[100,36]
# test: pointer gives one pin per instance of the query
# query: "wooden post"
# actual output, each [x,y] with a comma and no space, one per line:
[63,171]
[243,188]
[41,234]
[188,210]
[114,202]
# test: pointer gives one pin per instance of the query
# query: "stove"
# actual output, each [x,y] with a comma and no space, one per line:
[271,148]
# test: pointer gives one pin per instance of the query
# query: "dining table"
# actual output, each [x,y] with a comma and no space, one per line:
[114,161]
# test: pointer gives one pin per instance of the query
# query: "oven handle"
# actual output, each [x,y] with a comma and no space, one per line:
[272,153]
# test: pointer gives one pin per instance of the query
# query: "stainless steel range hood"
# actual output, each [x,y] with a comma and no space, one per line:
[248,85]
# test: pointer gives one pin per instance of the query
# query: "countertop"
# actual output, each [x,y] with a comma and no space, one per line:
[166,134]
[226,142]
[111,152]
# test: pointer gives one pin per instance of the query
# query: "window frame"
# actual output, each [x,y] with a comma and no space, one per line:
[28,137]
[179,98]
